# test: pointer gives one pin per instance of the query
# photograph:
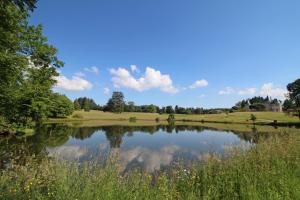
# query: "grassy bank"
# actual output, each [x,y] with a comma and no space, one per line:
[237,118]
[271,170]
[239,128]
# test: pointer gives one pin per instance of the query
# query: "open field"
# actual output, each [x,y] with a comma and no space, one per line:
[238,117]
[270,170]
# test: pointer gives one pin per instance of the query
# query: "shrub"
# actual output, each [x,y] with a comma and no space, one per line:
[78,116]
[157,119]
[258,107]
[132,119]
[253,118]
[171,118]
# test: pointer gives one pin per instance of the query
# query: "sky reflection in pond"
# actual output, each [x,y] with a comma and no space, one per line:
[147,148]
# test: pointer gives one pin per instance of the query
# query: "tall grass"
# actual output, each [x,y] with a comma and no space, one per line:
[270,170]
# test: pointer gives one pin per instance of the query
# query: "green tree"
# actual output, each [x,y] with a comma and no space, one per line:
[294,92]
[109,106]
[86,105]
[61,106]
[258,107]
[116,103]
[171,119]
[77,105]
[23,4]
[28,66]
[288,104]
[162,110]
[131,106]
[151,108]
[169,110]
[176,109]
[294,95]
[90,102]
[253,118]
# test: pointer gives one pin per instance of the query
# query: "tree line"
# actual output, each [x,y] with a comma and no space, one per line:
[86,104]
[117,104]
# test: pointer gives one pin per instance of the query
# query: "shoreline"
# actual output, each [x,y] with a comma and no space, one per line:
[270,119]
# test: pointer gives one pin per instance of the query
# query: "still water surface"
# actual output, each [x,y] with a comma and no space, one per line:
[148,148]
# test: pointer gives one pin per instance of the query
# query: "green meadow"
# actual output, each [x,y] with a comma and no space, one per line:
[236,117]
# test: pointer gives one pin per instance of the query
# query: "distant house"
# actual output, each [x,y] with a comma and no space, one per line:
[273,106]
[247,106]
[260,104]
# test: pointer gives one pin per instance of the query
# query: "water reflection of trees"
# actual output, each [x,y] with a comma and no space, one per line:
[252,137]
[84,132]
[55,135]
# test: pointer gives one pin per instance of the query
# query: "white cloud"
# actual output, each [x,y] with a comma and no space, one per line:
[134,68]
[233,91]
[227,91]
[76,83]
[151,79]
[80,74]
[268,89]
[199,83]
[106,91]
[151,160]
[92,69]
[71,152]
[183,88]
[201,96]
[247,91]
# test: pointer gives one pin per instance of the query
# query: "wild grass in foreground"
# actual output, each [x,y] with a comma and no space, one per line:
[271,170]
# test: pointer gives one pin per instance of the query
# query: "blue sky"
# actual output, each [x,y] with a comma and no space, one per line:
[189,53]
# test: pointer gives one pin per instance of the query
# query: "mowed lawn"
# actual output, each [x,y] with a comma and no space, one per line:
[238,117]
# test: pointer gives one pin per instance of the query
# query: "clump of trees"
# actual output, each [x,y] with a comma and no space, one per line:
[28,67]
[115,103]
[61,106]
[292,103]
[86,104]
[255,104]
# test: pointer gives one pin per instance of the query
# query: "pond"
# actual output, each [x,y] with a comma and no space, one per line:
[148,148]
